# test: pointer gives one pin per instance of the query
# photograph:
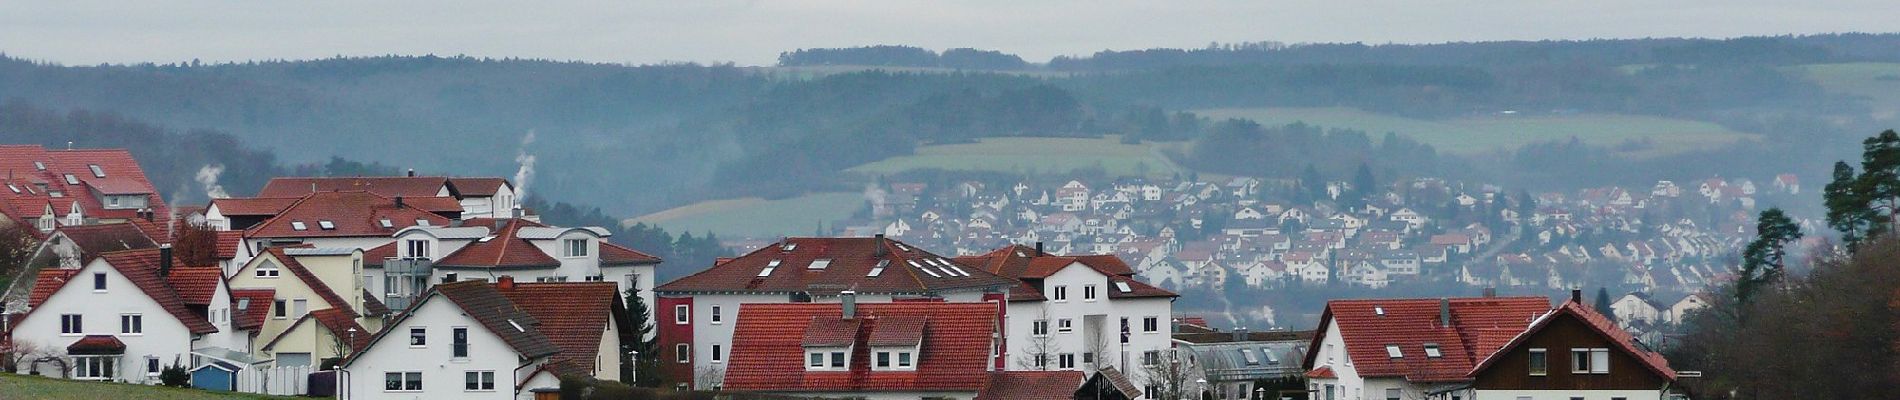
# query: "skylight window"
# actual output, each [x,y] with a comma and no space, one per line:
[39,165]
[1271,358]
[16,189]
[1252,359]
[769,267]
[297,225]
[879,269]
[1123,286]
[1392,350]
[820,263]
[789,246]
[901,246]
[387,224]
[96,172]
[326,225]
[1431,351]
[1379,310]
[485,239]
[72,180]
[516,325]
[422,222]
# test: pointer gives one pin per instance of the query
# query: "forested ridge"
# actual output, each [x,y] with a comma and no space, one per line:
[636,139]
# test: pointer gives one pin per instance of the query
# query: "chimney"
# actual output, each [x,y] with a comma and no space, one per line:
[877,245]
[517,213]
[505,282]
[850,301]
[1444,312]
[164,260]
[412,172]
[1576,296]
[1039,249]
[398,201]
[1490,292]
[1240,334]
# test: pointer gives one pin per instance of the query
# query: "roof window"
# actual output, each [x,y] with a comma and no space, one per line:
[1252,359]
[16,189]
[901,246]
[72,180]
[387,224]
[1378,310]
[1123,286]
[326,225]
[1431,351]
[39,165]
[297,225]
[788,246]
[879,269]
[96,171]
[422,222]
[769,267]
[1392,350]
[820,263]
[1271,358]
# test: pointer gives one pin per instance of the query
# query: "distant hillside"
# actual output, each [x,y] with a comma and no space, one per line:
[640,139]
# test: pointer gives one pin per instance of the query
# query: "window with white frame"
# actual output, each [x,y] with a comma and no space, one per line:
[713,315]
[280,309]
[1539,362]
[267,269]
[98,368]
[1150,324]
[683,353]
[478,381]
[574,248]
[716,353]
[72,324]
[1065,325]
[1151,358]
[682,314]
[131,324]
[416,248]
[402,381]
[151,366]
[1039,327]
[1061,293]
[827,359]
[418,336]
[1065,361]
[1589,361]
[98,281]
[1088,292]
[893,359]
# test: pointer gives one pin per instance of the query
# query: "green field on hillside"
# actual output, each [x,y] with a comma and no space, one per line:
[34,387]
[1038,155]
[756,217]
[1480,134]
[1879,83]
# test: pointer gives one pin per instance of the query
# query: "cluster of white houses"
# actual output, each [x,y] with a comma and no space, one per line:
[438,287]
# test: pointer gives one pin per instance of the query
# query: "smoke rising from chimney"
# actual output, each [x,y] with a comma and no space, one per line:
[525,171]
[208,178]
[876,197]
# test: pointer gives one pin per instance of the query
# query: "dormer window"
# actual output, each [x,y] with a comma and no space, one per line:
[574,248]
[326,225]
[297,226]
[1392,350]
[894,359]
[827,358]
[96,172]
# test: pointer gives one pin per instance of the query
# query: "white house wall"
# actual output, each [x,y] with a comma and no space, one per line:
[442,376]
[163,335]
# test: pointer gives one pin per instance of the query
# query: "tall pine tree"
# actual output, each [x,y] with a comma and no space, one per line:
[1764,259]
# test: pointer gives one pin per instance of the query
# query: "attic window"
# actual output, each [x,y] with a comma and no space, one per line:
[1379,310]
[1271,358]
[243,304]
[927,271]
[387,224]
[788,246]
[72,180]
[879,269]
[901,246]
[16,189]
[326,225]
[1431,351]
[485,239]
[1123,286]
[96,172]
[1392,350]
[820,263]
[297,225]
[1252,359]
[39,165]
[769,267]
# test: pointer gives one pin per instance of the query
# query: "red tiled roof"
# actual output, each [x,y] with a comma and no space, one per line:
[898,331]
[1030,385]
[227,244]
[374,256]
[504,250]
[310,280]
[196,285]
[482,187]
[254,205]
[1023,263]
[768,348]
[573,315]
[355,214]
[141,267]
[122,176]
[1322,373]
[48,281]
[95,239]
[96,344]
[613,254]
[388,186]
[1597,322]
[483,302]
[831,331]
[851,261]
[256,306]
[1411,323]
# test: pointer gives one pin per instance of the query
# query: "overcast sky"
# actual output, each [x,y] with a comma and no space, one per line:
[754,32]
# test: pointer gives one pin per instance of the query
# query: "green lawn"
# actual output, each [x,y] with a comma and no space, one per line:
[1879,83]
[1041,155]
[34,387]
[756,217]
[1479,134]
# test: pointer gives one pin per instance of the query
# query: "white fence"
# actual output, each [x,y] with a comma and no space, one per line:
[281,381]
